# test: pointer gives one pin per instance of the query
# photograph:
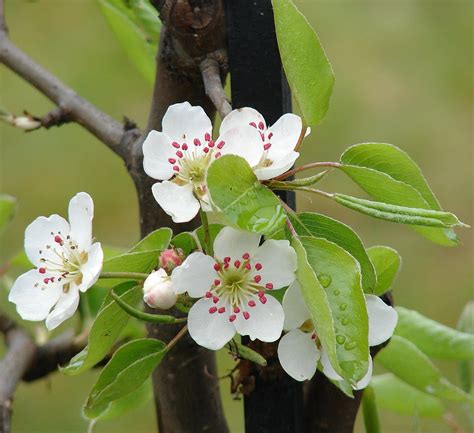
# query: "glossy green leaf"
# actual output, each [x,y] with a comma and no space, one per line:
[106,329]
[136,25]
[7,210]
[395,395]
[321,226]
[433,338]
[466,324]
[370,412]
[129,367]
[306,66]
[241,198]
[410,364]
[388,174]
[387,264]
[157,240]
[339,281]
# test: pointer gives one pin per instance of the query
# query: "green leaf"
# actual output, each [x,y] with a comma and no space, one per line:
[388,174]
[387,263]
[157,240]
[466,324]
[128,368]
[397,396]
[433,338]
[407,362]
[105,330]
[136,25]
[186,241]
[399,214]
[306,66]
[369,409]
[7,210]
[331,287]
[321,226]
[241,198]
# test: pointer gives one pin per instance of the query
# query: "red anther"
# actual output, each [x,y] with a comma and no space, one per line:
[245,256]
[212,310]
[205,150]
[46,281]
[246,315]
[218,154]
[42,270]
[262,136]
[172,160]
[248,266]
[226,259]
[175,145]
[217,282]
[221,310]
[207,136]
[263,300]
[211,144]
[253,124]
[197,142]
[269,286]
[217,267]
[267,146]
[236,310]
[208,295]
[237,263]
[51,279]
[257,278]
[232,317]
[270,135]
[261,293]
[215,299]
[252,304]
[184,146]
[313,336]
[179,154]
[175,168]
[58,239]
[261,125]
[226,265]
[221,144]
[258,266]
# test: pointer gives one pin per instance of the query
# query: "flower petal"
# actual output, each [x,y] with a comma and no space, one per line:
[265,321]
[212,331]
[285,134]
[366,379]
[92,268]
[38,236]
[278,260]
[183,123]
[195,275]
[157,150]
[298,355]
[277,167]
[64,309]
[81,213]
[243,141]
[34,303]
[234,243]
[328,370]
[240,117]
[177,201]
[296,311]
[382,320]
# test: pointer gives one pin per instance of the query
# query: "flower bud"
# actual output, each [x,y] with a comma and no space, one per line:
[158,290]
[171,258]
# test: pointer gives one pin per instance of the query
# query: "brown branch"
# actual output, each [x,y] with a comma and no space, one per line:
[211,76]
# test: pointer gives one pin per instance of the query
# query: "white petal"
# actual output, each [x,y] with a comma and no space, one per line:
[328,369]
[382,320]
[177,201]
[286,132]
[155,278]
[308,131]
[278,260]
[92,268]
[183,123]
[81,213]
[34,303]
[265,321]
[195,275]
[38,236]
[240,117]
[64,309]
[298,355]
[243,141]
[157,150]
[277,167]
[296,311]
[234,243]
[366,379]
[209,330]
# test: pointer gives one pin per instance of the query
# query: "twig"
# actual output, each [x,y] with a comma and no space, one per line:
[306,167]
[211,77]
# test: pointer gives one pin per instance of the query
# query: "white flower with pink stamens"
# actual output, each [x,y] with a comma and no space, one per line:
[67,263]
[276,143]
[181,153]
[234,288]
[299,350]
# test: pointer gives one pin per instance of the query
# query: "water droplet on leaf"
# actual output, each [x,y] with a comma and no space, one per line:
[340,339]
[325,280]
[350,345]
[342,307]
[344,321]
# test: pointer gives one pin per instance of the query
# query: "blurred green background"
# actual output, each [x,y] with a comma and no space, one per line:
[403,75]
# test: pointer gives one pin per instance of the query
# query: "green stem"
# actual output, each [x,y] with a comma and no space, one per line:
[307,167]
[145,317]
[125,275]
[207,235]
[369,408]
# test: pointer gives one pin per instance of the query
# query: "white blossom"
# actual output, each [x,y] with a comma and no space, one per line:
[158,290]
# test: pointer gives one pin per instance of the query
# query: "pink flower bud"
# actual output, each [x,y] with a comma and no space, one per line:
[171,258]
[158,290]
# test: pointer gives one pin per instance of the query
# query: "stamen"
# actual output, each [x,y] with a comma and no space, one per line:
[205,150]
[217,282]
[237,263]
[215,299]
[251,303]
[261,293]
[208,295]
[211,144]
[245,256]
[246,315]
[184,147]
[197,142]
[175,168]
[263,299]
[42,270]
[179,154]
[221,310]
[217,267]
[267,146]
[257,278]
[175,145]
[270,135]
[258,266]
[58,239]
[236,310]
[253,124]
[207,136]
[218,154]
[172,160]
[261,125]
[248,266]
[226,259]
[232,317]
[221,144]
[212,310]
[269,286]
